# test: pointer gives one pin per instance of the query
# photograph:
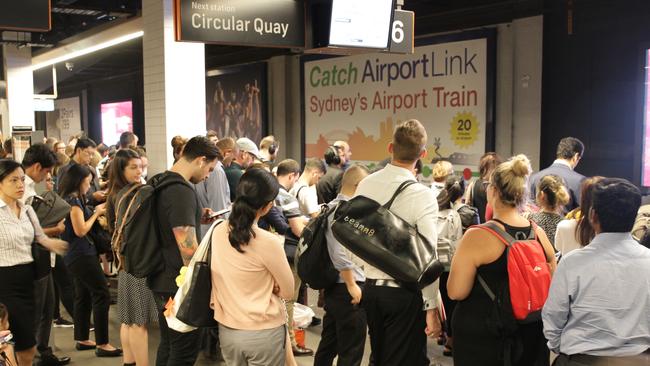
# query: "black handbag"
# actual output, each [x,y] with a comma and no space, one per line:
[100,238]
[382,239]
[42,262]
[195,309]
[50,208]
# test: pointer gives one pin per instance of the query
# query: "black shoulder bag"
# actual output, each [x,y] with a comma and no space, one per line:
[386,241]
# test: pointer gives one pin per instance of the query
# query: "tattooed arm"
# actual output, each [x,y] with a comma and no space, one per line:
[186,241]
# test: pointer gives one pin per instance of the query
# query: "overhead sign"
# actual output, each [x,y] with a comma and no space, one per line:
[25,15]
[263,23]
[402,31]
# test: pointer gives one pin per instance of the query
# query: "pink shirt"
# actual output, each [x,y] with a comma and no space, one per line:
[242,283]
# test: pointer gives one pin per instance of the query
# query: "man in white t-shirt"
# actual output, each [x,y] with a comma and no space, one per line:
[305,188]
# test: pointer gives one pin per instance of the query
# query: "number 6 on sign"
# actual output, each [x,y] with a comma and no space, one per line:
[398,31]
[401,32]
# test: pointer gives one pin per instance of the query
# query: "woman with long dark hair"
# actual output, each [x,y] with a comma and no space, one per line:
[250,277]
[19,228]
[91,289]
[476,341]
[134,299]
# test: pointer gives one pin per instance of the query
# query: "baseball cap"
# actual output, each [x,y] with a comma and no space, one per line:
[247,145]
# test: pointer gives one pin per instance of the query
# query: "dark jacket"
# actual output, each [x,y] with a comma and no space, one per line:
[329,185]
[572,181]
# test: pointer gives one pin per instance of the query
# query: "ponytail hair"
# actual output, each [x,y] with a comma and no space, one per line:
[256,189]
[451,193]
[554,190]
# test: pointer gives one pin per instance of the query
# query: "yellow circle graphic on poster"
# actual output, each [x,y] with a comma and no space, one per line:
[464,129]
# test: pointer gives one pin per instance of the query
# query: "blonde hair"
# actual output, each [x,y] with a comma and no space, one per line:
[95,159]
[510,179]
[441,170]
[555,192]
[409,140]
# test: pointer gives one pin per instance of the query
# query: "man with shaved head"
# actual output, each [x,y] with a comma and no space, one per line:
[344,323]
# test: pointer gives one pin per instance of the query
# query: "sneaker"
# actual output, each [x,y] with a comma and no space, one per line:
[62,323]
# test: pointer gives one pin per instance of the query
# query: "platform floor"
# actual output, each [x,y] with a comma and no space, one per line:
[62,338]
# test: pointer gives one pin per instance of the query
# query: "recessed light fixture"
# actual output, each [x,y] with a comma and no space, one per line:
[85,51]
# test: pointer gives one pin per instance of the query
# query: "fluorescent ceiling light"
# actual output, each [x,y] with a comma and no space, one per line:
[88,50]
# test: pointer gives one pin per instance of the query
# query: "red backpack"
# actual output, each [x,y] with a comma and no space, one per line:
[529,276]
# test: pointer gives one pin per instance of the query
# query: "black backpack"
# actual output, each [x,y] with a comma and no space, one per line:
[313,262]
[136,239]
[468,216]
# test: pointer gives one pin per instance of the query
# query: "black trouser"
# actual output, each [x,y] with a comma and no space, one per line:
[175,349]
[44,307]
[396,323]
[449,304]
[91,294]
[588,360]
[63,288]
[344,329]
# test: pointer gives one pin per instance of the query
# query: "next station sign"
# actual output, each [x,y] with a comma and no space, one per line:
[261,23]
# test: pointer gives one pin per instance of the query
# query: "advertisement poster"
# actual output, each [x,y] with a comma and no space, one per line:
[116,119]
[360,99]
[65,120]
[236,101]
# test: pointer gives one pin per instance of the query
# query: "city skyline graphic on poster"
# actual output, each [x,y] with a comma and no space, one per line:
[361,98]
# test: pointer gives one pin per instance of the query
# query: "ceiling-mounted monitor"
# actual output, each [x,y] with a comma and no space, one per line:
[347,27]
[360,23]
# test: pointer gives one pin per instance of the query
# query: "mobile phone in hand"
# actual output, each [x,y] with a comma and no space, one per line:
[6,339]
[219,213]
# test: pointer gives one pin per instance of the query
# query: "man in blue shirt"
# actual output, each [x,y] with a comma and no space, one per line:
[598,308]
[344,324]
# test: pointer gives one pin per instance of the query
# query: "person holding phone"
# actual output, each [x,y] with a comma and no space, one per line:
[91,289]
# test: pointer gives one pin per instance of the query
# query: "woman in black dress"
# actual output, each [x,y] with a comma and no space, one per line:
[479,252]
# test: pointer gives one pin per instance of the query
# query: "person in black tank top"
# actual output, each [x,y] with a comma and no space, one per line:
[479,252]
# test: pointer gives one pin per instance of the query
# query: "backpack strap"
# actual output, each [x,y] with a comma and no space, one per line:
[399,190]
[298,192]
[498,232]
[116,240]
[486,288]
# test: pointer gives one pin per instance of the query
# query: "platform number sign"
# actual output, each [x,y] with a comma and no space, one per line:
[401,33]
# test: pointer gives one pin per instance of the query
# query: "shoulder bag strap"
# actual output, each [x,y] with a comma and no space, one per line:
[208,260]
[399,190]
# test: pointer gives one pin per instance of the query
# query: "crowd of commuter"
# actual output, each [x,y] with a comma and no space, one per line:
[58,244]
